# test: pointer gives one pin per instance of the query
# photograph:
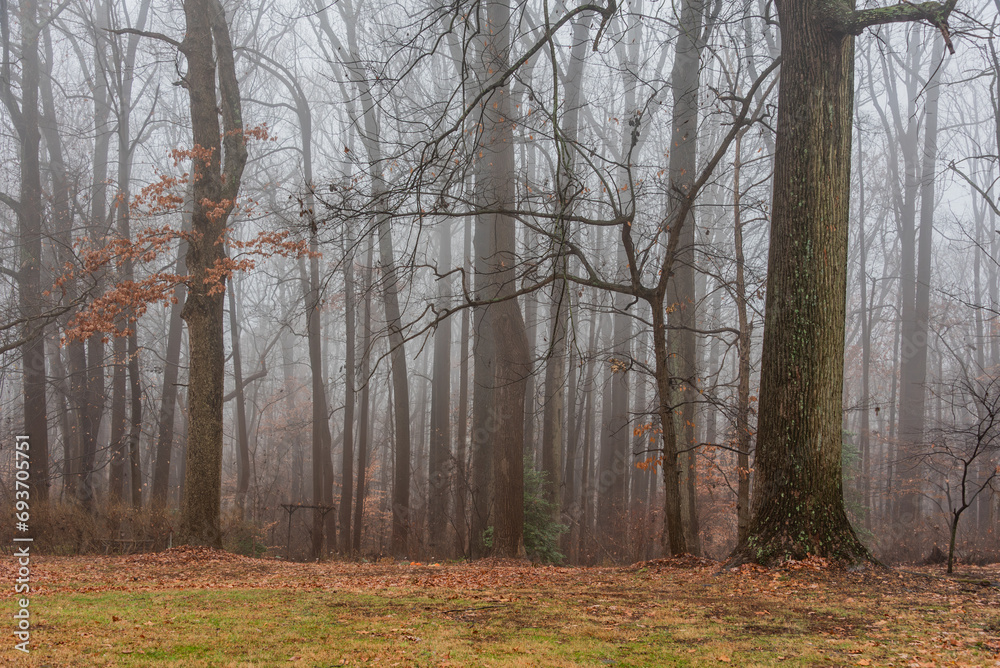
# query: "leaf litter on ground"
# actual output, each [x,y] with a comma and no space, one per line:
[675,611]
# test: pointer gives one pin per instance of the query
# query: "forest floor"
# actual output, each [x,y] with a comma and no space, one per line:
[199,607]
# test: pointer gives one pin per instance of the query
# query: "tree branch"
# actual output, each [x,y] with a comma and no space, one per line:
[145,33]
[11,202]
[842,18]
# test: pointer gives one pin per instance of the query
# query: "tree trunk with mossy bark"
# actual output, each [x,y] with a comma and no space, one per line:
[798,506]
[215,188]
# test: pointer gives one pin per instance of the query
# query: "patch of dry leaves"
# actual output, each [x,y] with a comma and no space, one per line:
[190,567]
[914,617]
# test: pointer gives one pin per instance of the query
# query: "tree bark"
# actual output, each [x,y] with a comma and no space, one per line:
[798,507]
[215,187]
[439,459]
[93,411]
[168,394]
[461,438]
[364,428]
[321,438]
[242,439]
[913,344]
[512,370]
[347,456]
[685,81]
[25,117]
[743,434]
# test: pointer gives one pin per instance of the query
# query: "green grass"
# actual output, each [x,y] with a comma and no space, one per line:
[399,615]
[309,628]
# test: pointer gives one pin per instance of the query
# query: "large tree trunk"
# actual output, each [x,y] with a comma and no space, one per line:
[798,507]
[512,370]
[913,369]
[29,238]
[483,420]
[203,308]
[502,419]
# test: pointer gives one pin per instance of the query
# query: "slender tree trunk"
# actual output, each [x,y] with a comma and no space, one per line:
[640,441]
[242,439]
[364,427]
[609,462]
[401,394]
[347,456]
[743,434]
[461,438]
[554,409]
[530,301]
[554,414]
[584,527]
[93,385]
[674,537]
[685,82]
[116,465]
[168,395]
[439,476]
[570,507]
[320,411]
[72,385]
[130,349]
[135,420]
[912,371]
[866,352]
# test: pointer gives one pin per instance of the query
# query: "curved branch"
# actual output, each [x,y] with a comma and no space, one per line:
[844,19]
[145,33]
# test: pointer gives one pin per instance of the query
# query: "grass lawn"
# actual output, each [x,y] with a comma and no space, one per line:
[196,607]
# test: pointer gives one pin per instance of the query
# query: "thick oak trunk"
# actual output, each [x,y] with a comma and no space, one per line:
[798,507]
[203,307]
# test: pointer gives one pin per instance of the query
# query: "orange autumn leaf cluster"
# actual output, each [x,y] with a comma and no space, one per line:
[217,211]
[116,310]
[126,302]
[116,252]
[649,463]
[158,197]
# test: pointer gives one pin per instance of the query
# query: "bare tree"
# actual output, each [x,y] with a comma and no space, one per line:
[964,450]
